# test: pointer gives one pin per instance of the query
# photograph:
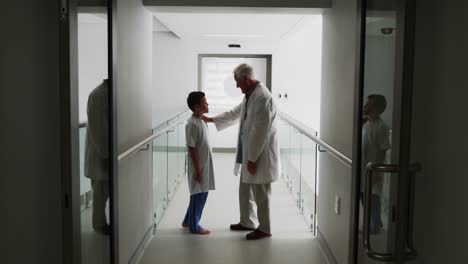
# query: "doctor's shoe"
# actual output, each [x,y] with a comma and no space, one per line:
[257,234]
[239,227]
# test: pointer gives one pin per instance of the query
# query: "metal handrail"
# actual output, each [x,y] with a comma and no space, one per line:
[169,121]
[324,145]
[131,151]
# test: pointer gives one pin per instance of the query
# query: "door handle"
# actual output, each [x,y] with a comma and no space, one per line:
[370,169]
[411,252]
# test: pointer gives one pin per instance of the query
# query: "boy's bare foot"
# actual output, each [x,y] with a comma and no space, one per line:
[201,231]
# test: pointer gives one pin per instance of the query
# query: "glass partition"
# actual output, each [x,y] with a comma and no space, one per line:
[295,165]
[85,183]
[169,161]
[172,162]
[160,176]
[284,130]
[181,153]
[308,179]
[299,163]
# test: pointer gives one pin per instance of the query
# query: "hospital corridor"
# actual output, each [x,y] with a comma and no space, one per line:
[233,132]
[292,236]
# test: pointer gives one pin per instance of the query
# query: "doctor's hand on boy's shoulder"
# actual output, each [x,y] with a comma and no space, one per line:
[206,119]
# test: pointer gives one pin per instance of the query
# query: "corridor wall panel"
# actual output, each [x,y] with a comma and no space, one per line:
[336,123]
[133,89]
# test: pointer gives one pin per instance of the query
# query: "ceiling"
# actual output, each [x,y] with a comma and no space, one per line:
[232,26]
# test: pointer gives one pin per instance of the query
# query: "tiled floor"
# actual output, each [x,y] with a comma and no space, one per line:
[292,242]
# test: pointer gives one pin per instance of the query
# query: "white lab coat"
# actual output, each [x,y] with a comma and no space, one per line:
[259,136]
[96,165]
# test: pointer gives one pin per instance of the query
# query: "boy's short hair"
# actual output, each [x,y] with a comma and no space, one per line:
[378,101]
[194,98]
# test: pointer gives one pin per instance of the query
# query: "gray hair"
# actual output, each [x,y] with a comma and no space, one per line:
[243,70]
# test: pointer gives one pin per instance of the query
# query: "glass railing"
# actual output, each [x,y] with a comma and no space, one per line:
[299,163]
[169,161]
[85,183]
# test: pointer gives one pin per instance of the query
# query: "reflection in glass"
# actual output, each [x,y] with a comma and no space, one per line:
[94,138]
[377,124]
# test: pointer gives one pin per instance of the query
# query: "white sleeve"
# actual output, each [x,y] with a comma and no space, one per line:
[229,118]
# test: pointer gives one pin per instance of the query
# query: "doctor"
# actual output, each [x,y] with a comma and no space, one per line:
[96,159]
[257,156]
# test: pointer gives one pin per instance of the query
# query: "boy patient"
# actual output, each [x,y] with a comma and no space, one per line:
[200,172]
[375,143]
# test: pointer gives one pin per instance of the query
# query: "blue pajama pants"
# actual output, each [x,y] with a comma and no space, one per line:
[195,210]
[375,212]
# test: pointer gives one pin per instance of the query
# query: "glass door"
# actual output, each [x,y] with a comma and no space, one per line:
[382,168]
[94,134]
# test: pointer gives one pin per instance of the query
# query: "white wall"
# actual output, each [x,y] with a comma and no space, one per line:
[440,131]
[30,160]
[133,87]
[336,122]
[297,71]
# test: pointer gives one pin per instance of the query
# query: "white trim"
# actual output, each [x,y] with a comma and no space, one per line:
[139,252]
[325,249]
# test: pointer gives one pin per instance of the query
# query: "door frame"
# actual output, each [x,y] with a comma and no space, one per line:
[70,167]
[69,131]
[403,87]
[405,40]
[357,133]
[113,131]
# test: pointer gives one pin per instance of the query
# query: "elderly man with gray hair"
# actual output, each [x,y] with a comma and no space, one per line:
[257,157]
